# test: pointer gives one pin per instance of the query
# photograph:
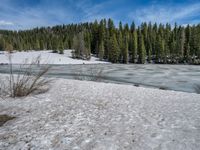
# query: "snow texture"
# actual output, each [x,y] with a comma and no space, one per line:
[83,115]
[46,57]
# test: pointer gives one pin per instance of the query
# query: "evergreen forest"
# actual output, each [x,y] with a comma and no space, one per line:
[124,43]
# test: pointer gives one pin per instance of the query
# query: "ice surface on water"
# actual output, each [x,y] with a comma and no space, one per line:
[172,77]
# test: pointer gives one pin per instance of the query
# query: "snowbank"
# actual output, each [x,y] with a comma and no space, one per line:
[86,115]
[47,57]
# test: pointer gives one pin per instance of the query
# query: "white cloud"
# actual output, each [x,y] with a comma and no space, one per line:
[95,11]
[49,13]
[6,23]
[167,13]
[30,17]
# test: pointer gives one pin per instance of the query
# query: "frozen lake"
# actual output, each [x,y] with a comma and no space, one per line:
[171,77]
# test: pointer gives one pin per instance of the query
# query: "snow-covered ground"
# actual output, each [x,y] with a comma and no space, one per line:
[46,57]
[87,115]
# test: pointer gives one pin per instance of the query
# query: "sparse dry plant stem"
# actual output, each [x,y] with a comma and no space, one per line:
[92,74]
[26,81]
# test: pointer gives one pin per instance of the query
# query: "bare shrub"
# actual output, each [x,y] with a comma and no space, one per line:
[163,88]
[92,74]
[197,88]
[4,119]
[26,81]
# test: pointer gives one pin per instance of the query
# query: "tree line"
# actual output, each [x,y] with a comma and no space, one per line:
[147,43]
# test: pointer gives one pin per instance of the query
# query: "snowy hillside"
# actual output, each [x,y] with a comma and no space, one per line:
[47,57]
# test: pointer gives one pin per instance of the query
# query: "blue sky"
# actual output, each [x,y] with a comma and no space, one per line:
[26,14]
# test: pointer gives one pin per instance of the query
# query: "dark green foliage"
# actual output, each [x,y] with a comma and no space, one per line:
[101,38]
[125,50]
[61,48]
[2,44]
[135,47]
[141,49]
[37,45]
[9,47]
[87,42]
[81,51]
[151,43]
[113,50]
[101,50]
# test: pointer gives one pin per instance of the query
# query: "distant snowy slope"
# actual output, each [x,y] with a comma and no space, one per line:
[47,57]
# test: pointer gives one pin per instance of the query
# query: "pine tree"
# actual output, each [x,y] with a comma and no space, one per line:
[111,27]
[81,52]
[162,55]
[37,45]
[187,43]
[49,46]
[187,53]
[121,45]
[95,37]
[125,50]
[126,29]
[182,42]
[2,44]
[141,49]
[100,43]
[167,34]
[61,48]
[135,47]
[55,45]
[149,49]
[144,31]
[198,43]
[120,27]
[160,49]
[107,45]
[114,50]
[75,52]
[87,46]
[101,50]
[154,40]
[42,47]
[133,28]
[66,43]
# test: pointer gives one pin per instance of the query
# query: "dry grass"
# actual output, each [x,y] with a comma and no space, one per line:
[26,81]
[4,119]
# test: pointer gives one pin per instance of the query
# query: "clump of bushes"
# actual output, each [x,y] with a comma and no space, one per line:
[163,88]
[26,82]
[60,51]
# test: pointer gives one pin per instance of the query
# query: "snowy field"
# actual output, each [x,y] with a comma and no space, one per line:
[46,57]
[84,115]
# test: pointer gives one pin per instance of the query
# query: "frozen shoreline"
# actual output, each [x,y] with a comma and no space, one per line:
[88,115]
[47,57]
